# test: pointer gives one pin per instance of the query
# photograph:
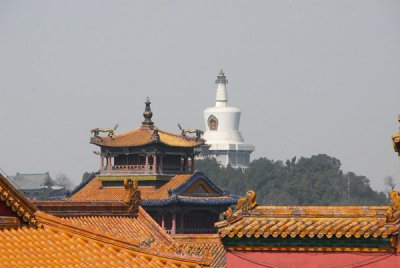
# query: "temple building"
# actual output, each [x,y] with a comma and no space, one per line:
[180,199]
[311,236]
[224,141]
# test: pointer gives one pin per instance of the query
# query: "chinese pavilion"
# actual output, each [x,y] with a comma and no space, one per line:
[180,199]
[87,234]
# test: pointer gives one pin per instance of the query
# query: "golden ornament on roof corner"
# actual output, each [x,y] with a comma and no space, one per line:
[248,202]
[393,213]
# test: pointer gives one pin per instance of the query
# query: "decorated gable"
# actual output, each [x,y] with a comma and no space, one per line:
[198,185]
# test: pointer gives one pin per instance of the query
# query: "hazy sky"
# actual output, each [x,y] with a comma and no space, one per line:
[309,76]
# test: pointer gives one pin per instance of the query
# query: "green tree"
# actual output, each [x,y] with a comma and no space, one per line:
[316,180]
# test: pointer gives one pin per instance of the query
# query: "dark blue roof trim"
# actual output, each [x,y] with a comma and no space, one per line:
[187,200]
[194,178]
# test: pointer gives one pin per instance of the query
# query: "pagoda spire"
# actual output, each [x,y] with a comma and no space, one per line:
[222,94]
[147,114]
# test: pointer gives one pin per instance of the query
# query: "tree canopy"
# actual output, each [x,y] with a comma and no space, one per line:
[317,180]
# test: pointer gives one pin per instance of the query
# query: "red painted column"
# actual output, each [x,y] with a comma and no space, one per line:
[101,164]
[190,167]
[155,163]
[181,164]
[173,225]
[109,165]
[163,221]
[146,167]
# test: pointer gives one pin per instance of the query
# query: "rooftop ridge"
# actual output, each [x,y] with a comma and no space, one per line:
[46,173]
[19,204]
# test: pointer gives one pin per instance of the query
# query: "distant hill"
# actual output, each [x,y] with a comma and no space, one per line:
[317,180]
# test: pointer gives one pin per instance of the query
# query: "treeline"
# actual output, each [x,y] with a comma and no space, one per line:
[317,180]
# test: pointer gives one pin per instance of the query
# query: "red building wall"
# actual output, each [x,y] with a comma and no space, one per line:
[246,259]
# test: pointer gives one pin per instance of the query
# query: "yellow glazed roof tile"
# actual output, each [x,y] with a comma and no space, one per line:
[201,243]
[62,243]
[311,222]
[143,136]
[94,191]
[137,228]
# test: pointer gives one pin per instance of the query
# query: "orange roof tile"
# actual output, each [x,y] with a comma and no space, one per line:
[200,243]
[137,228]
[143,136]
[324,221]
[94,190]
[59,244]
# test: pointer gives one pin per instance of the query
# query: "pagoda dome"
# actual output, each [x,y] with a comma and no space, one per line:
[223,138]
[222,121]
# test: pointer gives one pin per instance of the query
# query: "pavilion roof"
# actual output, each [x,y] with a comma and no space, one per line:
[172,191]
[143,136]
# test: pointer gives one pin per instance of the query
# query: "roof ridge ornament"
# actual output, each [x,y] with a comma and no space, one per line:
[185,131]
[396,139]
[243,207]
[393,212]
[248,202]
[110,131]
[147,114]
[133,195]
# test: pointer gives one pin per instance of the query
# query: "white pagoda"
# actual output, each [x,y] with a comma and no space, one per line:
[222,135]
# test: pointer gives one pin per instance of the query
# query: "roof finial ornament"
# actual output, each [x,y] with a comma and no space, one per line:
[221,78]
[147,114]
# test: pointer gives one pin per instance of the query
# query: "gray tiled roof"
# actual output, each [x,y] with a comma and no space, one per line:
[31,181]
